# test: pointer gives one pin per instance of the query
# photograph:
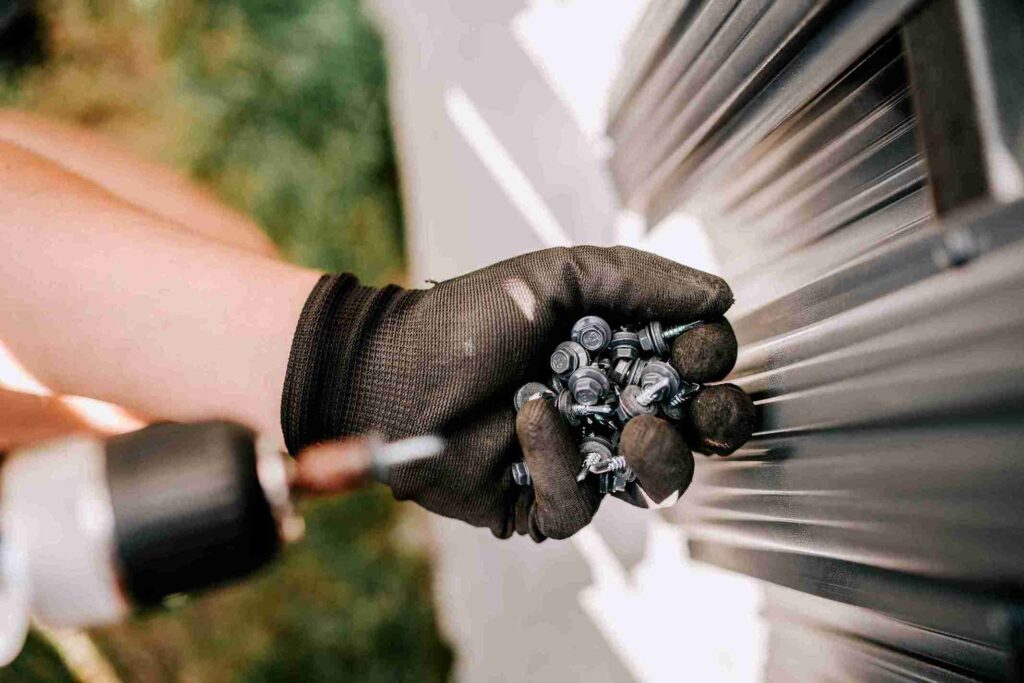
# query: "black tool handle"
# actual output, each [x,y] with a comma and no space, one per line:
[189,511]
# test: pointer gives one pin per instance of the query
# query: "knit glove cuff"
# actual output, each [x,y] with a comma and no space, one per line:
[323,394]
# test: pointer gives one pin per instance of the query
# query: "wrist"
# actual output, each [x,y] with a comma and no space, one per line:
[335,361]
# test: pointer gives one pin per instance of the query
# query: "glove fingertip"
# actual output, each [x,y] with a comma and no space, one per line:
[707,353]
[658,454]
[721,419]
[721,294]
[561,506]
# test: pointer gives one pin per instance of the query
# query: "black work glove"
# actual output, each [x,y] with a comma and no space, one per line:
[448,360]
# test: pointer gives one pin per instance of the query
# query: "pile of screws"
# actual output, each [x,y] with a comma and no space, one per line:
[601,380]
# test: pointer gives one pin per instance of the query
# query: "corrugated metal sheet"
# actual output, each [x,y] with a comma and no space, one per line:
[883,344]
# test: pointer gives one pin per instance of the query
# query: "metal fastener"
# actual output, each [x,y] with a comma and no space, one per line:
[615,482]
[530,391]
[595,444]
[588,385]
[673,407]
[652,392]
[595,449]
[626,372]
[589,461]
[571,411]
[686,391]
[592,333]
[521,474]
[630,407]
[653,338]
[659,380]
[624,345]
[609,465]
[568,357]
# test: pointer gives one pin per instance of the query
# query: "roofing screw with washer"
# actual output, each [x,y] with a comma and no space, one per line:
[627,372]
[572,412]
[659,380]
[594,449]
[625,345]
[568,357]
[654,338]
[588,385]
[530,391]
[630,407]
[592,333]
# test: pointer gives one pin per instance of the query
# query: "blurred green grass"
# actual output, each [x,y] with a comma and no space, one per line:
[281,109]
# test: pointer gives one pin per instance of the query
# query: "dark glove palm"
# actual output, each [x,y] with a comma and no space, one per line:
[448,360]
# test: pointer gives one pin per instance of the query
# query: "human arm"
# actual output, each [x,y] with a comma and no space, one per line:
[151,187]
[101,298]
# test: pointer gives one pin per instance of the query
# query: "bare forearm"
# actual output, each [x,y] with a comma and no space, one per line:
[153,188]
[102,299]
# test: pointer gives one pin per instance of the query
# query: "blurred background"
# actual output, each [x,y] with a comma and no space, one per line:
[855,168]
[280,108]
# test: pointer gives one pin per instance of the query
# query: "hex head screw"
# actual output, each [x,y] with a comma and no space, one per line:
[568,357]
[625,345]
[626,372]
[588,385]
[592,333]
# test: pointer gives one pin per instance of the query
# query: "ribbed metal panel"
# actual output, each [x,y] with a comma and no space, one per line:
[813,639]
[883,344]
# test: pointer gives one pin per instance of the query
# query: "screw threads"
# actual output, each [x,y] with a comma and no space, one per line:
[617,463]
[580,410]
[613,464]
[683,394]
[650,392]
[673,332]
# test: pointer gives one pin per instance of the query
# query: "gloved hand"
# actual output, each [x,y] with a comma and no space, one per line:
[448,359]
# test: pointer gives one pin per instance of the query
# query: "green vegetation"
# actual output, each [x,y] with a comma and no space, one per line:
[301,139]
[37,662]
[281,109]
